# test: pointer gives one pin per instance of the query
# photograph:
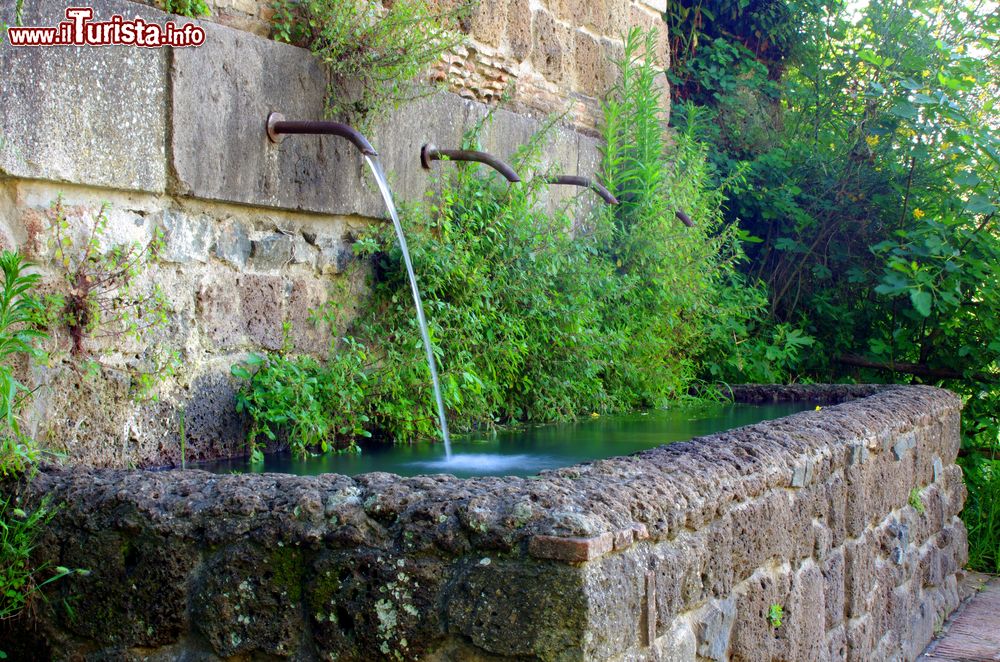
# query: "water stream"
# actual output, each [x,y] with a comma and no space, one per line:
[383,187]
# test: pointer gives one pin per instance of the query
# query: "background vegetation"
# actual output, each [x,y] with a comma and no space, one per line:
[868,140]
[534,317]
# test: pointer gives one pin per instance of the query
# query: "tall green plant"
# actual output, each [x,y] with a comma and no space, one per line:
[20,313]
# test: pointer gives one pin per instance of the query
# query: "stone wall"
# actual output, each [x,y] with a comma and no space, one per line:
[845,516]
[552,54]
[257,235]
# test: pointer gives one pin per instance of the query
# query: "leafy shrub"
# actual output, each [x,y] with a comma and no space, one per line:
[874,192]
[373,49]
[190,8]
[315,406]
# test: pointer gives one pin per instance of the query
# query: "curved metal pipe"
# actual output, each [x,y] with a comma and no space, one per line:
[430,153]
[278,127]
[585,182]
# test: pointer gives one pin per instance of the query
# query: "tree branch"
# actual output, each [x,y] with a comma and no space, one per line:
[918,369]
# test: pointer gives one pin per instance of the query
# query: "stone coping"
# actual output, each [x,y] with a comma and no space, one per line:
[573,514]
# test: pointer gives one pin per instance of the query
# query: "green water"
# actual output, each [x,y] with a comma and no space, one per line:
[527,451]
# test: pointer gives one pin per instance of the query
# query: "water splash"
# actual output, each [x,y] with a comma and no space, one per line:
[486,464]
[383,187]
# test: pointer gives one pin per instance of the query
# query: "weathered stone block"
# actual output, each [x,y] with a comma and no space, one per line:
[904,443]
[833,588]
[271,252]
[804,622]
[593,72]
[571,549]
[362,603]
[246,601]
[836,644]
[308,334]
[219,311]
[134,593]
[186,238]
[678,568]
[859,575]
[861,638]
[552,43]
[479,608]
[488,22]
[836,521]
[714,625]
[84,115]
[753,636]
[222,94]
[762,530]
[233,244]
[519,18]
[212,426]
[677,645]
[262,307]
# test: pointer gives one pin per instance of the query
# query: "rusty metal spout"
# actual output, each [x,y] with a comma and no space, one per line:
[278,127]
[585,182]
[430,153]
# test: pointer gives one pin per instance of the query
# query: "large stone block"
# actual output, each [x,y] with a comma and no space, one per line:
[552,51]
[805,614]
[859,575]
[479,609]
[762,530]
[84,115]
[222,95]
[754,637]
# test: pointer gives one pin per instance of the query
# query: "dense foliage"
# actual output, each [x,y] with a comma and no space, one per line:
[870,148]
[531,316]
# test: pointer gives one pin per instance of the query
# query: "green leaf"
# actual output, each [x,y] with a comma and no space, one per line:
[921,301]
[980,204]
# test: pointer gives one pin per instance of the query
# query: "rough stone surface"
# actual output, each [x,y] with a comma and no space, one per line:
[220,151]
[382,567]
[82,114]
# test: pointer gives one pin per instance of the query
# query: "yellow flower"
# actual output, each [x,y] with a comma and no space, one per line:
[872,140]
[918,213]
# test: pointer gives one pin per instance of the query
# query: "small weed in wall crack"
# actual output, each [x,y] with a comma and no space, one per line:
[107,296]
[774,615]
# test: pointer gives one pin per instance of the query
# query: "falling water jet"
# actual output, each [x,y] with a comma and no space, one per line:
[383,187]
[277,127]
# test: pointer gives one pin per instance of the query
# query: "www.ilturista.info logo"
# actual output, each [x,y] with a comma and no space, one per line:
[79,30]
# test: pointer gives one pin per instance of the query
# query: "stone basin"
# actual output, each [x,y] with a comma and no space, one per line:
[846,517]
